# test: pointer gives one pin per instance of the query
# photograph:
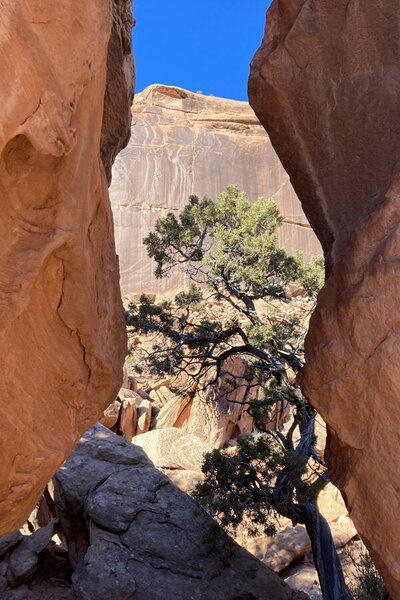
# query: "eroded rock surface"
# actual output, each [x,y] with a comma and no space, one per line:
[184,143]
[62,337]
[172,448]
[214,412]
[325,84]
[133,535]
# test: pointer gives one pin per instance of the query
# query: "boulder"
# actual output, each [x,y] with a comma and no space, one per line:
[111,414]
[291,543]
[173,448]
[21,566]
[161,395]
[21,593]
[333,508]
[128,418]
[145,539]
[343,531]
[125,379]
[331,503]
[184,479]
[100,453]
[170,413]
[217,414]
[280,550]
[132,383]
[164,382]
[65,95]
[143,416]
[304,577]
[22,561]
[325,84]
[214,413]
[128,394]
[9,542]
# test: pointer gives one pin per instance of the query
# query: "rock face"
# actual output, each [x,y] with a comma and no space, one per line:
[214,412]
[62,333]
[325,84]
[22,560]
[172,448]
[133,535]
[184,143]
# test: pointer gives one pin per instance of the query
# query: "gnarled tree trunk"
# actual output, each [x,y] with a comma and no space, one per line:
[326,559]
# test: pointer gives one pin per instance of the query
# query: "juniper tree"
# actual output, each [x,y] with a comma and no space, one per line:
[229,252]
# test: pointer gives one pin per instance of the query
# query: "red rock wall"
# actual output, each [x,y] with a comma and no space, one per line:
[184,143]
[326,85]
[62,338]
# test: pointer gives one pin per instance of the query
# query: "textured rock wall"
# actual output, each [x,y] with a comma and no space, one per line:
[184,143]
[62,338]
[326,85]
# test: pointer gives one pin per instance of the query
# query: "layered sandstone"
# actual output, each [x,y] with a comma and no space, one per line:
[325,84]
[184,143]
[62,338]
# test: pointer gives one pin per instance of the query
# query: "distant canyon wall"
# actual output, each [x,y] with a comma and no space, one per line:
[326,85]
[66,87]
[184,143]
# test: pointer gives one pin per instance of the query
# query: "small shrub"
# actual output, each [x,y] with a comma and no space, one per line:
[369,585]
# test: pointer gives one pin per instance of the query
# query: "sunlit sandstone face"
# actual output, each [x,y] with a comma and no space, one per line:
[184,143]
[62,339]
[325,84]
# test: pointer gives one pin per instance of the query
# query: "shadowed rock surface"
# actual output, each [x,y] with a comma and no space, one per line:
[62,336]
[325,84]
[184,143]
[133,535]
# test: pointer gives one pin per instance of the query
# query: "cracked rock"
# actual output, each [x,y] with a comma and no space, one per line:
[133,535]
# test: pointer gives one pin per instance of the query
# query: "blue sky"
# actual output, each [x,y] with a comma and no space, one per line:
[204,46]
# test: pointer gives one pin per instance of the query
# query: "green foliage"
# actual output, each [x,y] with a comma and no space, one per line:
[177,240]
[193,295]
[234,243]
[243,482]
[369,584]
[276,334]
[310,275]
[146,317]
[259,482]
[230,249]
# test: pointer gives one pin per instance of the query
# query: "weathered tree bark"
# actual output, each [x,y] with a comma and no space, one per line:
[326,559]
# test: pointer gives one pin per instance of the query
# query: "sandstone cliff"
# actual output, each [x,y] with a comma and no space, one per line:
[184,143]
[325,84]
[62,337]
